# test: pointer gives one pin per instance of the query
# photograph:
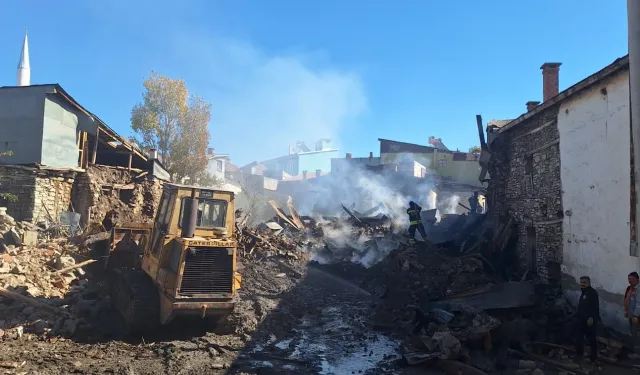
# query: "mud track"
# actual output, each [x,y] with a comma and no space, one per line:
[289,320]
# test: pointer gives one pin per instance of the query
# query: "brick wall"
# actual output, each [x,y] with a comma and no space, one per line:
[525,178]
[42,194]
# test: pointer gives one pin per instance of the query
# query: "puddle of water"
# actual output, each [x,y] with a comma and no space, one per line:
[284,344]
[361,360]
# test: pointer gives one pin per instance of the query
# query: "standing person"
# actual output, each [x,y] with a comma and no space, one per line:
[414,221]
[632,310]
[473,203]
[587,317]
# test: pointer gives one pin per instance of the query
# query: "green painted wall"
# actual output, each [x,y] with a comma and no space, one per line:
[59,142]
[462,171]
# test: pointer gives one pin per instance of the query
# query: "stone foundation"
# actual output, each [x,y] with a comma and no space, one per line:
[42,193]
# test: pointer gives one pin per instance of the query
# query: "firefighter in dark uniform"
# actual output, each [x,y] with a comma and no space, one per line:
[414,221]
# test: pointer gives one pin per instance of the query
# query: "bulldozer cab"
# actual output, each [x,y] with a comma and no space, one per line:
[214,213]
[192,247]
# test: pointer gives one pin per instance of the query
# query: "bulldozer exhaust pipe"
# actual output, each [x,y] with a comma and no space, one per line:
[190,217]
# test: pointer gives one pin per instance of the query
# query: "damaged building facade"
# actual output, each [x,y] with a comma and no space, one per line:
[562,172]
[57,157]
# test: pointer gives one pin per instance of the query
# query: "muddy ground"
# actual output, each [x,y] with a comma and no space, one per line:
[290,319]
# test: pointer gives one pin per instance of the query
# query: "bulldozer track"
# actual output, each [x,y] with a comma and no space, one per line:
[136,299]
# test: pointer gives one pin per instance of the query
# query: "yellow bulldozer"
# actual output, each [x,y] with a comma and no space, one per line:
[182,264]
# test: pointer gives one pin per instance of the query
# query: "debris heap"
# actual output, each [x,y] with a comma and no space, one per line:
[43,289]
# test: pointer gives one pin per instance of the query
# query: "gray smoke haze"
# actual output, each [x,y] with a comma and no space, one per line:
[361,190]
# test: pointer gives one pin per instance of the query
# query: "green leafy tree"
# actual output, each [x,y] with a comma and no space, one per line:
[208,180]
[175,123]
[475,149]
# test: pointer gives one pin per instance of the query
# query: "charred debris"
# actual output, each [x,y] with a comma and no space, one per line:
[457,299]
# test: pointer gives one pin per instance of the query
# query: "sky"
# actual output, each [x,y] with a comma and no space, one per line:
[281,71]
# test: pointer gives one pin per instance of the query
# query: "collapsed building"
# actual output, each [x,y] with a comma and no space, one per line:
[562,171]
[59,157]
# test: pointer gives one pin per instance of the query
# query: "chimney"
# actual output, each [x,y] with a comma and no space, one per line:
[153,153]
[211,151]
[318,172]
[349,156]
[531,105]
[370,156]
[304,175]
[550,80]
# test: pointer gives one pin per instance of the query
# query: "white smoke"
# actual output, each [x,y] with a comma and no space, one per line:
[449,205]
[362,190]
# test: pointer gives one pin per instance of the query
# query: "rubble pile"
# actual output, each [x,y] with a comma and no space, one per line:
[111,196]
[441,335]
[43,290]
[12,232]
[445,295]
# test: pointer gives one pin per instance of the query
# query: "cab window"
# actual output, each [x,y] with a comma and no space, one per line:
[211,213]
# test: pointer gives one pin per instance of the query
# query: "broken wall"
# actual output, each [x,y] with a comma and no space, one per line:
[525,184]
[115,195]
[594,138]
[42,193]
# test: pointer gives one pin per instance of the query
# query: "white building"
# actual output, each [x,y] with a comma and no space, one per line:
[599,226]
[217,164]
[563,174]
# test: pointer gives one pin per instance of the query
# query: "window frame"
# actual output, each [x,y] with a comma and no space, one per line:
[223,212]
[219,165]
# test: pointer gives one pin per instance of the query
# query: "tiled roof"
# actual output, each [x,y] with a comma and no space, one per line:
[498,123]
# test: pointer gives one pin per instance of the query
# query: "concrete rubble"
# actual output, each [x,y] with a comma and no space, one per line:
[445,304]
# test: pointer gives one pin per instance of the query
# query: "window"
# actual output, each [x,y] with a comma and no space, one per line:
[219,165]
[442,162]
[289,168]
[211,213]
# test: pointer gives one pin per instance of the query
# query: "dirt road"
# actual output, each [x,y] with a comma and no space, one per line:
[289,320]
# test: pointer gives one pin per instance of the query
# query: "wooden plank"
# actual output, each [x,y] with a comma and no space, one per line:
[76,266]
[95,146]
[85,155]
[119,186]
[294,213]
[31,302]
[130,160]
[281,214]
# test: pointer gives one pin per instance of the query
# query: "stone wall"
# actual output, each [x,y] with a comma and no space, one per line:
[105,195]
[525,178]
[42,193]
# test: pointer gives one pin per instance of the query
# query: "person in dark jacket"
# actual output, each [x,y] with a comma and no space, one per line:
[414,221]
[632,308]
[587,317]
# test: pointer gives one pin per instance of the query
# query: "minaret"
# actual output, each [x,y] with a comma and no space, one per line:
[24,70]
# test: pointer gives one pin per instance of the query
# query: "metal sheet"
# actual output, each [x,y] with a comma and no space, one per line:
[498,296]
